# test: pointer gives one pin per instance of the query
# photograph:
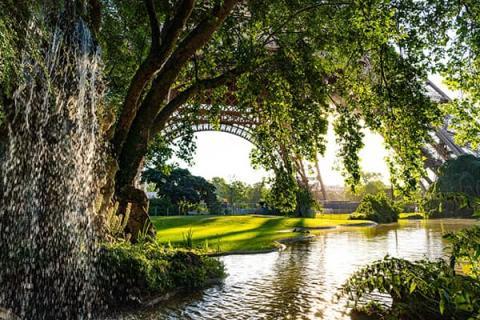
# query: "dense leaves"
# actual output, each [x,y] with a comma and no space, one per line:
[457,189]
[290,66]
[291,60]
[132,273]
[378,208]
[181,187]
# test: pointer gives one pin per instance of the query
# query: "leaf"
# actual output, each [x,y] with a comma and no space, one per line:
[413,286]
[442,305]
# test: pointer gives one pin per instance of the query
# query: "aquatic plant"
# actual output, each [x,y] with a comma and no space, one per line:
[401,289]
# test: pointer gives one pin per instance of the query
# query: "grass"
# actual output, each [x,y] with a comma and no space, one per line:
[411,215]
[238,233]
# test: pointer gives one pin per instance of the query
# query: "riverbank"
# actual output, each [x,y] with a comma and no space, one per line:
[243,234]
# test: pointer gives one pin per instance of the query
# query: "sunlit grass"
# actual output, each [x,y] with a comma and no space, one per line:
[412,215]
[245,233]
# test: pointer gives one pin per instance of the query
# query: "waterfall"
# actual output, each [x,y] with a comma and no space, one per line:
[48,238]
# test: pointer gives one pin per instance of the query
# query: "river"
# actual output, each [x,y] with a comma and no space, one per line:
[300,282]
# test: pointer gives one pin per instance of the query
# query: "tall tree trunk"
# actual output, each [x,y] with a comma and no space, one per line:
[3,150]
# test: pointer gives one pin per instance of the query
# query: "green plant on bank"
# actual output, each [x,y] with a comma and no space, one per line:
[378,208]
[188,239]
[456,191]
[451,204]
[144,235]
[422,289]
[306,205]
[131,272]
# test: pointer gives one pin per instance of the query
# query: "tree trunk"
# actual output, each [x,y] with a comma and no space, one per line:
[127,193]
[3,150]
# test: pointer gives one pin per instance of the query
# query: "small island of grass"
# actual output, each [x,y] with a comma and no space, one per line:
[246,233]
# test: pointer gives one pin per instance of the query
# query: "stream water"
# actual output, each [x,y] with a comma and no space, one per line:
[300,282]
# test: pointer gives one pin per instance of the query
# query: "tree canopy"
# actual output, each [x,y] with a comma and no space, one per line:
[180,185]
[292,64]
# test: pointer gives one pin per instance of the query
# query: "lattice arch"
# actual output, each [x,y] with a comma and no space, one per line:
[229,120]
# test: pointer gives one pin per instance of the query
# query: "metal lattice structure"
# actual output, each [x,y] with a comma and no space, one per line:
[443,146]
[207,118]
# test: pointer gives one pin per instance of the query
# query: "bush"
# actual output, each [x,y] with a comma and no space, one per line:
[306,205]
[449,205]
[422,289]
[131,272]
[457,189]
[378,208]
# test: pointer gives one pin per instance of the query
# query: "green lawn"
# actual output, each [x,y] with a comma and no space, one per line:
[238,233]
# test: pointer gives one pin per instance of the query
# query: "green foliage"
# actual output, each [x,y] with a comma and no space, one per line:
[465,250]
[237,193]
[461,65]
[378,208]
[182,188]
[294,58]
[306,205]
[422,289]
[370,183]
[162,206]
[132,272]
[188,239]
[116,224]
[456,190]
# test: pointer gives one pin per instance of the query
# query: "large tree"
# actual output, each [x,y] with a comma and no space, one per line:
[291,63]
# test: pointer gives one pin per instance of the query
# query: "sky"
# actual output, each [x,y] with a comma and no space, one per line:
[225,155]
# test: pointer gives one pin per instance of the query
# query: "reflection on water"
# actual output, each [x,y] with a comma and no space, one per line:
[300,282]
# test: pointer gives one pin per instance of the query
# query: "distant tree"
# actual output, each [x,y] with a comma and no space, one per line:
[237,193]
[182,188]
[258,192]
[371,183]
[221,187]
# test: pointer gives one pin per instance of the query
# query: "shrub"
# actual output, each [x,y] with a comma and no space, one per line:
[378,208]
[457,189]
[306,205]
[130,272]
[449,205]
[422,289]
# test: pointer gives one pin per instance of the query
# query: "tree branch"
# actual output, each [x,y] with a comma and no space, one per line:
[159,53]
[196,39]
[154,25]
[181,98]
[171,30]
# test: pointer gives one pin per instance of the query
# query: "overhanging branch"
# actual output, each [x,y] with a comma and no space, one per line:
[181,98]
[163,44]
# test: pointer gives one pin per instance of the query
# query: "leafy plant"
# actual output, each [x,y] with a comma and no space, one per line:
[144,235]
[378,208]
[129,272]
[456,191]
[421,289]
[188,239]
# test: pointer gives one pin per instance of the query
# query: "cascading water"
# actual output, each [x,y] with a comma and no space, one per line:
[47,223]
